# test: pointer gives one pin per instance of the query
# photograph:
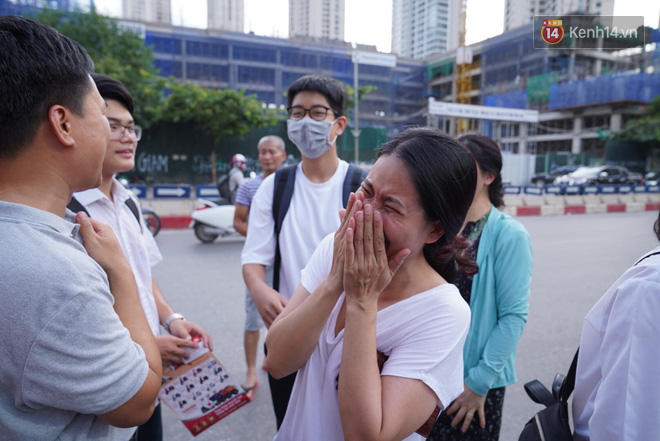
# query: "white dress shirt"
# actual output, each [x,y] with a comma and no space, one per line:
[136,240]
[617,387]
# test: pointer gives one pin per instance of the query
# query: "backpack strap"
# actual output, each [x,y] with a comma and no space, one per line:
[354,177]
[285,179]
[646,257]
[134,209]
[540,394]
[75,206]
[569,385]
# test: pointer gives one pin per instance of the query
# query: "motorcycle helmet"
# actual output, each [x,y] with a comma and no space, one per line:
[239,161]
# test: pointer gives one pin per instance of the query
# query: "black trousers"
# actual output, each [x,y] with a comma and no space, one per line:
[152,430]
[280,393]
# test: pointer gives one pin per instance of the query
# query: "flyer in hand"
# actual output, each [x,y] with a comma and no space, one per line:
[201,392]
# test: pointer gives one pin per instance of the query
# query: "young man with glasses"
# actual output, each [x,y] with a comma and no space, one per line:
[316,118]
[108,203]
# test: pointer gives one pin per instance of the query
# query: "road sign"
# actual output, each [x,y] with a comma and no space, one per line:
[374,58]
[207,191]
[441,108]
[139,191]
[171,191]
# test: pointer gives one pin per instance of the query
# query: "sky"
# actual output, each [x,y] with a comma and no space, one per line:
[485,18]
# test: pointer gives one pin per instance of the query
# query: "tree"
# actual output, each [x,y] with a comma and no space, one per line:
[117,52]
[646,128]
[362,91]
[218,112]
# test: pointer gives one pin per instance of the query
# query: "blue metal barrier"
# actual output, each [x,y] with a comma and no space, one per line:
[534,190]
[510,189]
[573,189]
[553,189]
[207,191]
[172,191]
[608,189]
[138,190]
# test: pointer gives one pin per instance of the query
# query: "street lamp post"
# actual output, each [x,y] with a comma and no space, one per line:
[376,59]
[356,111]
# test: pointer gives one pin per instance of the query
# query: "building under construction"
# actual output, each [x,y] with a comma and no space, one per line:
[581,94]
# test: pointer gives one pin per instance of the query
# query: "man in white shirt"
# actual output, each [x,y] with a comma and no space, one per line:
[616,384]
[316,118]
[236,176]
[113,204]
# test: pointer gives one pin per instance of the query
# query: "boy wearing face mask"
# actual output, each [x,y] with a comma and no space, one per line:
[316,118]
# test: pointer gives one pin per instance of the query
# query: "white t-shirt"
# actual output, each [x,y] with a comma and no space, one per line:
[423,337]
[617,387]
[312,215]
[136,241]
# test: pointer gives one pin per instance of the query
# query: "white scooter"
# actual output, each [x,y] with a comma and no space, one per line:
[211,220]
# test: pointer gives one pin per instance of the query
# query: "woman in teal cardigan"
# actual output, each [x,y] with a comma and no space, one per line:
[497,295]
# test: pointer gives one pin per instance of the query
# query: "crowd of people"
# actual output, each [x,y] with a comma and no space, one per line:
[394,301]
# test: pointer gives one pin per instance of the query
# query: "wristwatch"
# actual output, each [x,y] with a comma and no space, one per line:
[170,319]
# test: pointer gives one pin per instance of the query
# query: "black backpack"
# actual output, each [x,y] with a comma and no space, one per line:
[285,179]
[223,186]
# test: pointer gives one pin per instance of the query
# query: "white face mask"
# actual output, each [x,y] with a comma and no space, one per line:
[310,136]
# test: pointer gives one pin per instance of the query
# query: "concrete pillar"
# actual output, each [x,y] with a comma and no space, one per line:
[522,139]
[577,131]
[616,122]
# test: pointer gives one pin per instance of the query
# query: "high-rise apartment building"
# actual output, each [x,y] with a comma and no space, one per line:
[316,18]
[226,15]
[520,12]
[152,11]
[423,28]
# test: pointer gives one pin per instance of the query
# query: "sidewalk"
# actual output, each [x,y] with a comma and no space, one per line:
[551,204]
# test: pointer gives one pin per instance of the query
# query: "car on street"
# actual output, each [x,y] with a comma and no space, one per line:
[541,179]
[652,178]
[601,175]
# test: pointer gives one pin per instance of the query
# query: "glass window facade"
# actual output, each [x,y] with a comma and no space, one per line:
[266,67]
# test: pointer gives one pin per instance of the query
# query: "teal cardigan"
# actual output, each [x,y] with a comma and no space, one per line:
[498,303]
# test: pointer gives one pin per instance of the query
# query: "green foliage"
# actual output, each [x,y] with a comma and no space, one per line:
[119,53]
[219,112]
[362,91]
[646,128]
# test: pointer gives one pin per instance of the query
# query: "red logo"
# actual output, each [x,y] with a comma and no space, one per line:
[552,31]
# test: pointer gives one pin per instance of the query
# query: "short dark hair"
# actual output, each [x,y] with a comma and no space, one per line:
[113,89]
[445,176]
[327,86]
[39,67]
[487,154]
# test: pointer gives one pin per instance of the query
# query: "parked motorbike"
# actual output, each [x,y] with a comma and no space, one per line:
[211,220]
[151,219]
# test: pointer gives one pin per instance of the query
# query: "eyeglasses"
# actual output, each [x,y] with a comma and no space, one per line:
[117,132]
[317,113]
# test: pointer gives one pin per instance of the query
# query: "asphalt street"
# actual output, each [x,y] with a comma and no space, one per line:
[576,258]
